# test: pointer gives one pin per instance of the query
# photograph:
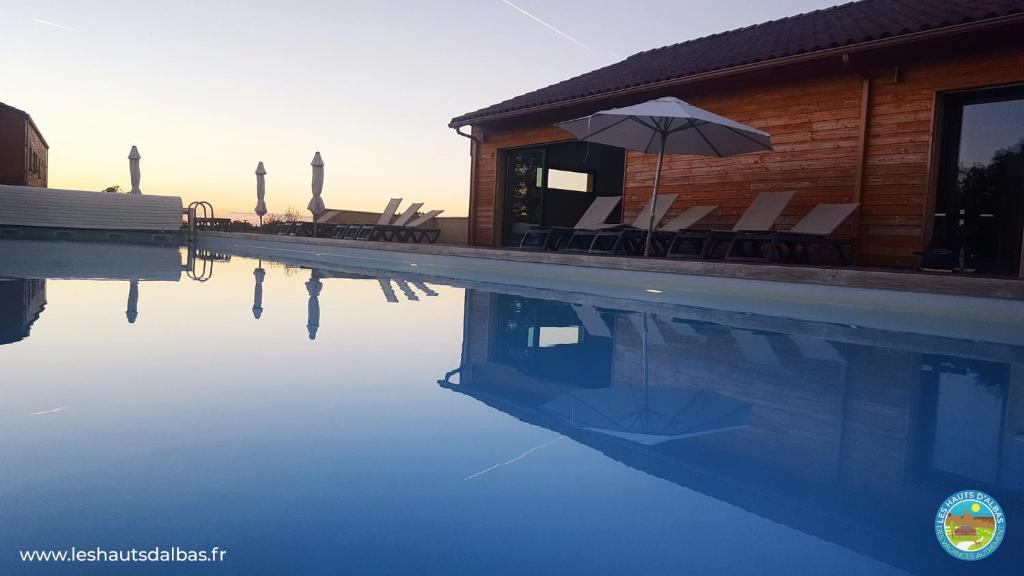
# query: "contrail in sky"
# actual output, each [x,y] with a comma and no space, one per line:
[54,24]
[550,27]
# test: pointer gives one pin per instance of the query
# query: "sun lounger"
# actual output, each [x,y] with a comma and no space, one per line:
[416,231]
[803,242]
[351,231]
[550,237]
[611,239]
[387,231]
[760,215]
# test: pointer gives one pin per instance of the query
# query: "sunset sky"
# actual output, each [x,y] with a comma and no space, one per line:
[206,89]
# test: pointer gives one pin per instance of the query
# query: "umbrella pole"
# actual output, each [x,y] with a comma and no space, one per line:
[654,198]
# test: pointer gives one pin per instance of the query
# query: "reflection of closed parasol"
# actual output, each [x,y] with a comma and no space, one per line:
[313,286]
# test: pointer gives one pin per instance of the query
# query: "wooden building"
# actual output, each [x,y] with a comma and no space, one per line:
[24,158]
[913,108]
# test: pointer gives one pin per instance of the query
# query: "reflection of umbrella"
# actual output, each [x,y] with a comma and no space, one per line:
[313,286]
[257,299]
[668,126]
[261,191]
[316,203]
[649,415]
[133,168]
[133,301]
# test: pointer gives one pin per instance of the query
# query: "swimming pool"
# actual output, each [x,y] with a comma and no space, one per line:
[340,420]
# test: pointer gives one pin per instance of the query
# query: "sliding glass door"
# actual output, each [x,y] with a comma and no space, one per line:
[979,208]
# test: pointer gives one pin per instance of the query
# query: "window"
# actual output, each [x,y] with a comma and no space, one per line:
[568,180]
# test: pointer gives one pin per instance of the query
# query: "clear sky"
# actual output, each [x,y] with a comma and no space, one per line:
[206,89]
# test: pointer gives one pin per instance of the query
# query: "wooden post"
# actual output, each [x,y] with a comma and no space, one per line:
[862,134]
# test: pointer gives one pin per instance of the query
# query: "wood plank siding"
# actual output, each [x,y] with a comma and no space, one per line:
[844,130]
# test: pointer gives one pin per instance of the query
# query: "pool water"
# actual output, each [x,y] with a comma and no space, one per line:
[347,421]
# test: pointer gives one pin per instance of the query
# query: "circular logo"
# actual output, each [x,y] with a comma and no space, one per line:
[970,525]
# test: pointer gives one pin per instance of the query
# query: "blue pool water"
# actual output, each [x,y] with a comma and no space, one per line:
[345,421]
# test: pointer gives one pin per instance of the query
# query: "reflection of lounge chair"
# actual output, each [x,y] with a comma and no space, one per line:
[816,348]
[810,234]
[756,348]
[407,290]
[424,288]
[389,292]
[352,231]
[760,215]
[621,238]
[644,322]
[549,237]
[591,320]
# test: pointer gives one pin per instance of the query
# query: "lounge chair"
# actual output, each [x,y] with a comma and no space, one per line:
[760,215]
[550,237]
[387,231]
[685,220]
[416,232]
[612,239]
[352,231]
[802,242]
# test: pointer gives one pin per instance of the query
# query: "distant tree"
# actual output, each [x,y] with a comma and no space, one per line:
[290,215]
[113,189]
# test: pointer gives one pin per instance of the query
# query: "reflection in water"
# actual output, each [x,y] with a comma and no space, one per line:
[257,298]
[827,435]
[21,303]
[313,286]
[132,312]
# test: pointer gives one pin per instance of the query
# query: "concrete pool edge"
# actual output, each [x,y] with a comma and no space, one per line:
[970,317]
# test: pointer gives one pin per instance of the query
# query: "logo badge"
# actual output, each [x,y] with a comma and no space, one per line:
[970,525]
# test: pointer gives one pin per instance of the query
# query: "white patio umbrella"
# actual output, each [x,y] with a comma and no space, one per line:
[316,203]
[133,168]
[261,191]
[667,126]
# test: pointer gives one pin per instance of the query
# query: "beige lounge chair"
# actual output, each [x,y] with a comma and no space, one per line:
[759,216]
[804,242]
[621,238]
[352,231]
[550,237]
[416,231]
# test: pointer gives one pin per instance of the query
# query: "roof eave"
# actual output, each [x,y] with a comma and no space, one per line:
[467,120]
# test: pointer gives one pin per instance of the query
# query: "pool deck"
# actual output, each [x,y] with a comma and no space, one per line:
[880,279]
[981,309]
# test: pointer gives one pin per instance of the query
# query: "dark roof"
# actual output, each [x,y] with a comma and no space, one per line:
[830,28]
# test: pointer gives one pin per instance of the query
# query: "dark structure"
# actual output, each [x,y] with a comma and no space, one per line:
[24,153]
[21,303]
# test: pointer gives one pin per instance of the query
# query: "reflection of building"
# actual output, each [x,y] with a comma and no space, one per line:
[23,151]
[21,302]
[825,435]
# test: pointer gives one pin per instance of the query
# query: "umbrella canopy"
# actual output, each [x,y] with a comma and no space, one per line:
[261,191]
[313,286]
[133,168]
[316,203]
[132,312]
[257,299]
[668,126]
